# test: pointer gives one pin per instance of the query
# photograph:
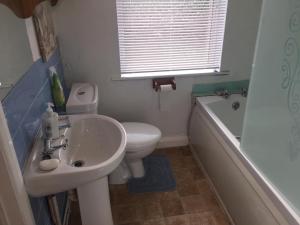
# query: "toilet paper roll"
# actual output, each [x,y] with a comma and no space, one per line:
[165,98]
[165,88]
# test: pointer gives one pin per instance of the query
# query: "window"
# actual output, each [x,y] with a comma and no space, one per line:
[170,37]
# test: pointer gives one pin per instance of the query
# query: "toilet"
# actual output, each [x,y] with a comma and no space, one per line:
[142,138]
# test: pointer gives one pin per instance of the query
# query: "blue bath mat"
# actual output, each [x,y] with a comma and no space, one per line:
[158,176]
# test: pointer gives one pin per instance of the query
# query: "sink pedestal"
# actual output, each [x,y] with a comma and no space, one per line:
[94,203]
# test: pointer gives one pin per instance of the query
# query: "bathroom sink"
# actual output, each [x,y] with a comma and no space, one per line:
[96,146]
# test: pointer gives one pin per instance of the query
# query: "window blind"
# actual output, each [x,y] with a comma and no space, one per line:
[167,37]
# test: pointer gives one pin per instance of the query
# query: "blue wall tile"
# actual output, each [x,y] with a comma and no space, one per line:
[23,108]
[36,207]
[61,199]
[20,144]
[44,218]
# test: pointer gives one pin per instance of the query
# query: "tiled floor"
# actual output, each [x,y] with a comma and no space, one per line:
[192,203]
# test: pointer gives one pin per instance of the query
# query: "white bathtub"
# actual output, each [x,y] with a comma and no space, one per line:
[221,110]
[214,132]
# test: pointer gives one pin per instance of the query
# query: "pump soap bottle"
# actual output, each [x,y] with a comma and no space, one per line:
[50,123]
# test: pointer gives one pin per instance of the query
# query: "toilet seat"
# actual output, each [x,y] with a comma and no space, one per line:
[140,135]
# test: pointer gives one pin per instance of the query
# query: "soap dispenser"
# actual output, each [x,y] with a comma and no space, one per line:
[50,123]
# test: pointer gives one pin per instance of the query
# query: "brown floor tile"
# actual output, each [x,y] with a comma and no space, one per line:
[190,162]
[197,173]
[191,203]
[199,219]
[75,218]
[177,162]
[182,173]
[204,188]
[154,222]
[185,150]
[148,198]
[221,219]
[134,223]
[177,220]
[172,207]
[199,203]
[186,182]
[150,211]
[125,214]
[187,187]
[208,218]
[168,195]
[181,159]
[119,195]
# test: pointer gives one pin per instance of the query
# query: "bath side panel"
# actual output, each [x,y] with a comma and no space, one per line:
[242,202]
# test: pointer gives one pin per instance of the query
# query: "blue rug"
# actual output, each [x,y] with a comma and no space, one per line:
[158,177]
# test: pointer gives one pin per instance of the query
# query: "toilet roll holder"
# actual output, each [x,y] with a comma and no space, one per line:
[158,82]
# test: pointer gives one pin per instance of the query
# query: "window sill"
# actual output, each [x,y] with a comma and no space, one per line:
[146,76]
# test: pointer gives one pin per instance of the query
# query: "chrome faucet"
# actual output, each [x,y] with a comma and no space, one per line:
[65,125]
[224,93]
[49,149]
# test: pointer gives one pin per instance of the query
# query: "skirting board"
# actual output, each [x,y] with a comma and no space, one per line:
[174,141]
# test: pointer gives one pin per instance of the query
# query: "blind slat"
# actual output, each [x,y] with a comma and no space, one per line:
[160,44]
[170,35]
[134,37]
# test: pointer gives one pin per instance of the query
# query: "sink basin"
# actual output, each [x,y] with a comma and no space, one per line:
[96,146]
[95,140]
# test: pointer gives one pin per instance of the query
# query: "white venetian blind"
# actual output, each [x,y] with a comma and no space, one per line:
[169,37]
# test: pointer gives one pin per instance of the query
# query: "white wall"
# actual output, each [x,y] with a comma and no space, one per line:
[87,32]
[15,56]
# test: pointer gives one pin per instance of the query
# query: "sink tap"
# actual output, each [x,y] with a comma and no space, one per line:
[224,93]
[49,149]
[67,124]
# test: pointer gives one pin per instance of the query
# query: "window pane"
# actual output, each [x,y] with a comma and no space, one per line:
[170,35]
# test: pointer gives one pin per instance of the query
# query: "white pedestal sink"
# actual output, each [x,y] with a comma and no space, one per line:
[97,145]
[95,204]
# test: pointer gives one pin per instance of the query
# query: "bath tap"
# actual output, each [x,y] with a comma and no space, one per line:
[224,93]
[244,92]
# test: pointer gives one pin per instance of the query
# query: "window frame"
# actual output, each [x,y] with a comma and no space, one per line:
[176,73]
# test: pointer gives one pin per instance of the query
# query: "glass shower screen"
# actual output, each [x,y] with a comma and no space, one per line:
[271,134]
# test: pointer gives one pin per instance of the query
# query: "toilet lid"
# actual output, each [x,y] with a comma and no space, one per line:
[140,135]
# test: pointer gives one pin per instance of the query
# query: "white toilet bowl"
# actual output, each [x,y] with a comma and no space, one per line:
[142,139]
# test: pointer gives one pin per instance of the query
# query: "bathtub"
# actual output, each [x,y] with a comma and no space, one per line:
[215,130]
